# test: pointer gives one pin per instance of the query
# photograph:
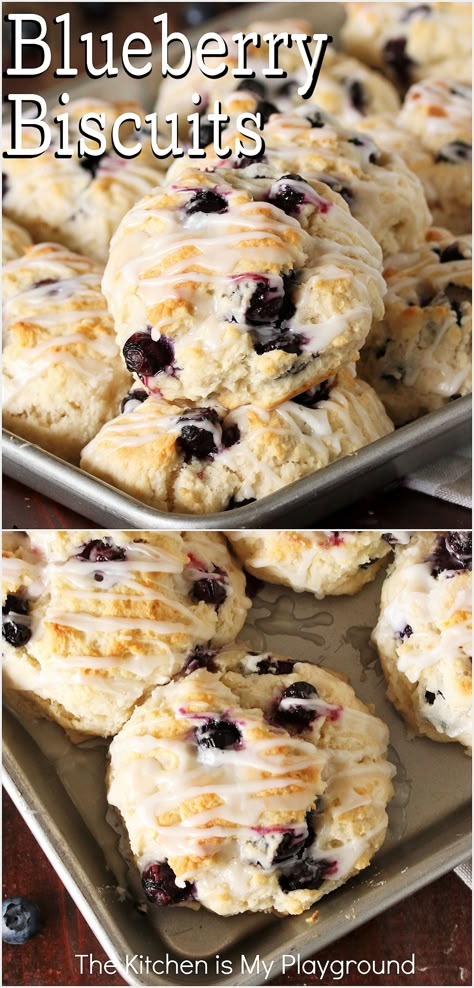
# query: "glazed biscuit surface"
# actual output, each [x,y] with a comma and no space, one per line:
[424,634]
[321,562]
[15,240]
[59,350]
[251,783]
[205,459]
[110,615]
[420,355]
[221,292]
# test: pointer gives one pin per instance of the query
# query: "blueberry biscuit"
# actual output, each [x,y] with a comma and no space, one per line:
[424,634]
[419,356]
[322,562]
[92,621]
[350,90]
[78,202]
[410,41]
[62,372]
[380,190]
[432,133]
[226,289]
[15,240]
[205,459]
[252,783]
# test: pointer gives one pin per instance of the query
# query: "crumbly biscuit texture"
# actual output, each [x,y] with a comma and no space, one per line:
[322,562]
[410,41]
[62,372]
[75,201]
[222,290]
[205,459]
[419,356]
[109,615]
[433,135]
[381,191]
[424,634]
[251,784]
[15,240]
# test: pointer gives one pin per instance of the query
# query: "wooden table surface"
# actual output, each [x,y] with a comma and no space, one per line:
[434,924]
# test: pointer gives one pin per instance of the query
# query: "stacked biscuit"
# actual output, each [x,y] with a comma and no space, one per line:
[242,291]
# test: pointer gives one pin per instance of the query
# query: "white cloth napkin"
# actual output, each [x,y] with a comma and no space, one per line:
[448,478]
[464,871]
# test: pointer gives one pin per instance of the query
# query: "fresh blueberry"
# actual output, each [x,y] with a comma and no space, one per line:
[92,164]
[21,920]
[265,304]
[266,110]
[201,657]
[230,436]
[430,697]
[206,201]
[196,441]
[220,734]
[455,152]
[132,400]
[147,357]
[15,633]
[451,253]
[286,197]
[296,715]
[291,845]
[210,589]
[314,396]
[316,119]
[357,96]
[274,667]
[252,86]
[395,56]
[288,342]
[452,552]
[19,605]
[101,551]
[306,874]
[233,503]
[159,883]
[406,633]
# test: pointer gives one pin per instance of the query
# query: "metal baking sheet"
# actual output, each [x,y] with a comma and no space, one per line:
[304,502]
[59,789]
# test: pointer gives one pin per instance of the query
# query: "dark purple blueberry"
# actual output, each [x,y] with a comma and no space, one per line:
[245,160]
[420,10]
[19,605]
[306,874]
[286,197]
[316,119]
[452,552]
[451,253]
[159,884]
[220,734]
[266,110]
[15,633]
[455,152]
[430,697]
[21,920]
[201,657]
[265,304]
[206,201]
[196,441]
[314,396]
[252,86]
[5,184]
[395,56]
[92,164]
[358,96]
[274,667]
[296,715]
[291,845]
[101,551]
[147,357]
[406,633]
[132,400]
[230,436]
[210,589]
[288,342]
